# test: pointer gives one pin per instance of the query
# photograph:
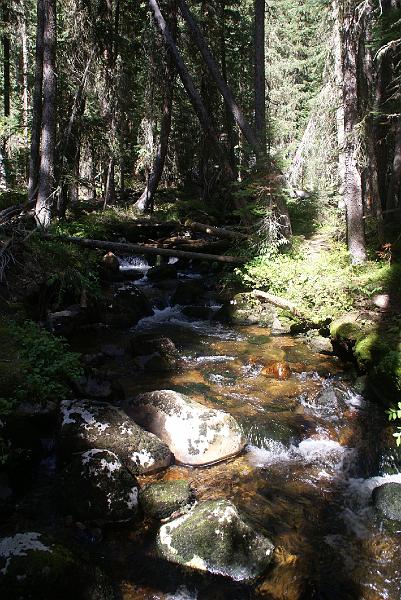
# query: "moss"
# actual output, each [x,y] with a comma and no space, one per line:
[160,500]
[366,348]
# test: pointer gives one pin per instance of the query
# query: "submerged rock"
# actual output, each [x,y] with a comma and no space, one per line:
[387,501]
[214,537]
[196,435]
[95,485]
[155,353]
[161,500]
[32,566]
[277,370]
[89,425]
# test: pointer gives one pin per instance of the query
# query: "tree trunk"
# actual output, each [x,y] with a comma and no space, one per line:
[6,59]
[260,78]
[24,76]
[353,184]
[110,190]
[219,79]
[393,196]
[189,86]
[46,175]
[145,249]
[147,198]
[34,158]
[229,117]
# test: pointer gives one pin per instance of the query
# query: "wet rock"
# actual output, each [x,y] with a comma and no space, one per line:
[98,387]
[32,566]
[65,321]
[96,486]
[214,537]
[387,501]
[264,432]
[160,500]
[245,309]
[111,267]
[187,292]
[88,425]
[127,308]
[319,344]
[277,370]
[196,435]
[155,353]
[203,313]
[162,272]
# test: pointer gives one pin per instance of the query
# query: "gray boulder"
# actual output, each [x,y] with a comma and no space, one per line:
[387,501]
[96,486]
[88,425]
[196,435]
[161,500]
[155,353]
[213,537]
[32,567]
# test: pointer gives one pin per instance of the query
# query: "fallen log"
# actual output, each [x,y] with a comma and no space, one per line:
[216,231]
[282,303]
[124,248]
[12,211]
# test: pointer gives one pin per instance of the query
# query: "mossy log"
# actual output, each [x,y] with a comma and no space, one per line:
[124,248]
[219,232]
[284,304]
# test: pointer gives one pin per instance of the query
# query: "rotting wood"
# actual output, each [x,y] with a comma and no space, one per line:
[125,248]
[282,303]
[216,231]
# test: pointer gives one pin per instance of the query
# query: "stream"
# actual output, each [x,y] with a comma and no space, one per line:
[314,454]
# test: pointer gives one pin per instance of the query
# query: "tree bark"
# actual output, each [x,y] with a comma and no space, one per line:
[260,78]
[46,174]
[353,184]
[147,198]
[24,75]
[219,79]
[6,59]
[190,89]
[34,158]
[217,231]
[393,195]
[144,249]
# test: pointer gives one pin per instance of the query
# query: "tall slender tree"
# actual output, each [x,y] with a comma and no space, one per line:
[46,171]
[34,158]
[260,77]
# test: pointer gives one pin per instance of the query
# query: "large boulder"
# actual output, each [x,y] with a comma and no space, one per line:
[127,308]
[387,501]
[96,486]
[196,435]
[187,292]
[34,567]
[162,272]
[154,353]
[214,537]
[88,425]
[161,500]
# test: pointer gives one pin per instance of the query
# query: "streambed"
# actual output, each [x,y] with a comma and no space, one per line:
[314,454]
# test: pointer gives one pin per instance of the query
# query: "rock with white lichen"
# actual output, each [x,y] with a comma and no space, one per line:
[196,435]
[214,537]
[88,425]
[162,499]
[32,566]
[96,485]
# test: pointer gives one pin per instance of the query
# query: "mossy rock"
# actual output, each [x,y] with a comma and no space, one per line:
[214,537]
[32,567]
[352,327]
[245,309]
[387,502]
[160,500]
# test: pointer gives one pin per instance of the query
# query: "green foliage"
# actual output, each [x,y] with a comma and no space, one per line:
[66,268]
[42,367]
[394,413]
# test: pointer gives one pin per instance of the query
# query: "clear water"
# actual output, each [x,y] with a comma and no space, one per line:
[305,478]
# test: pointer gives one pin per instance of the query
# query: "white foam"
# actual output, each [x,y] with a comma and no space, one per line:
[133,263]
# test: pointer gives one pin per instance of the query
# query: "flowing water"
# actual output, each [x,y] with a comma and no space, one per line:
[305,478]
